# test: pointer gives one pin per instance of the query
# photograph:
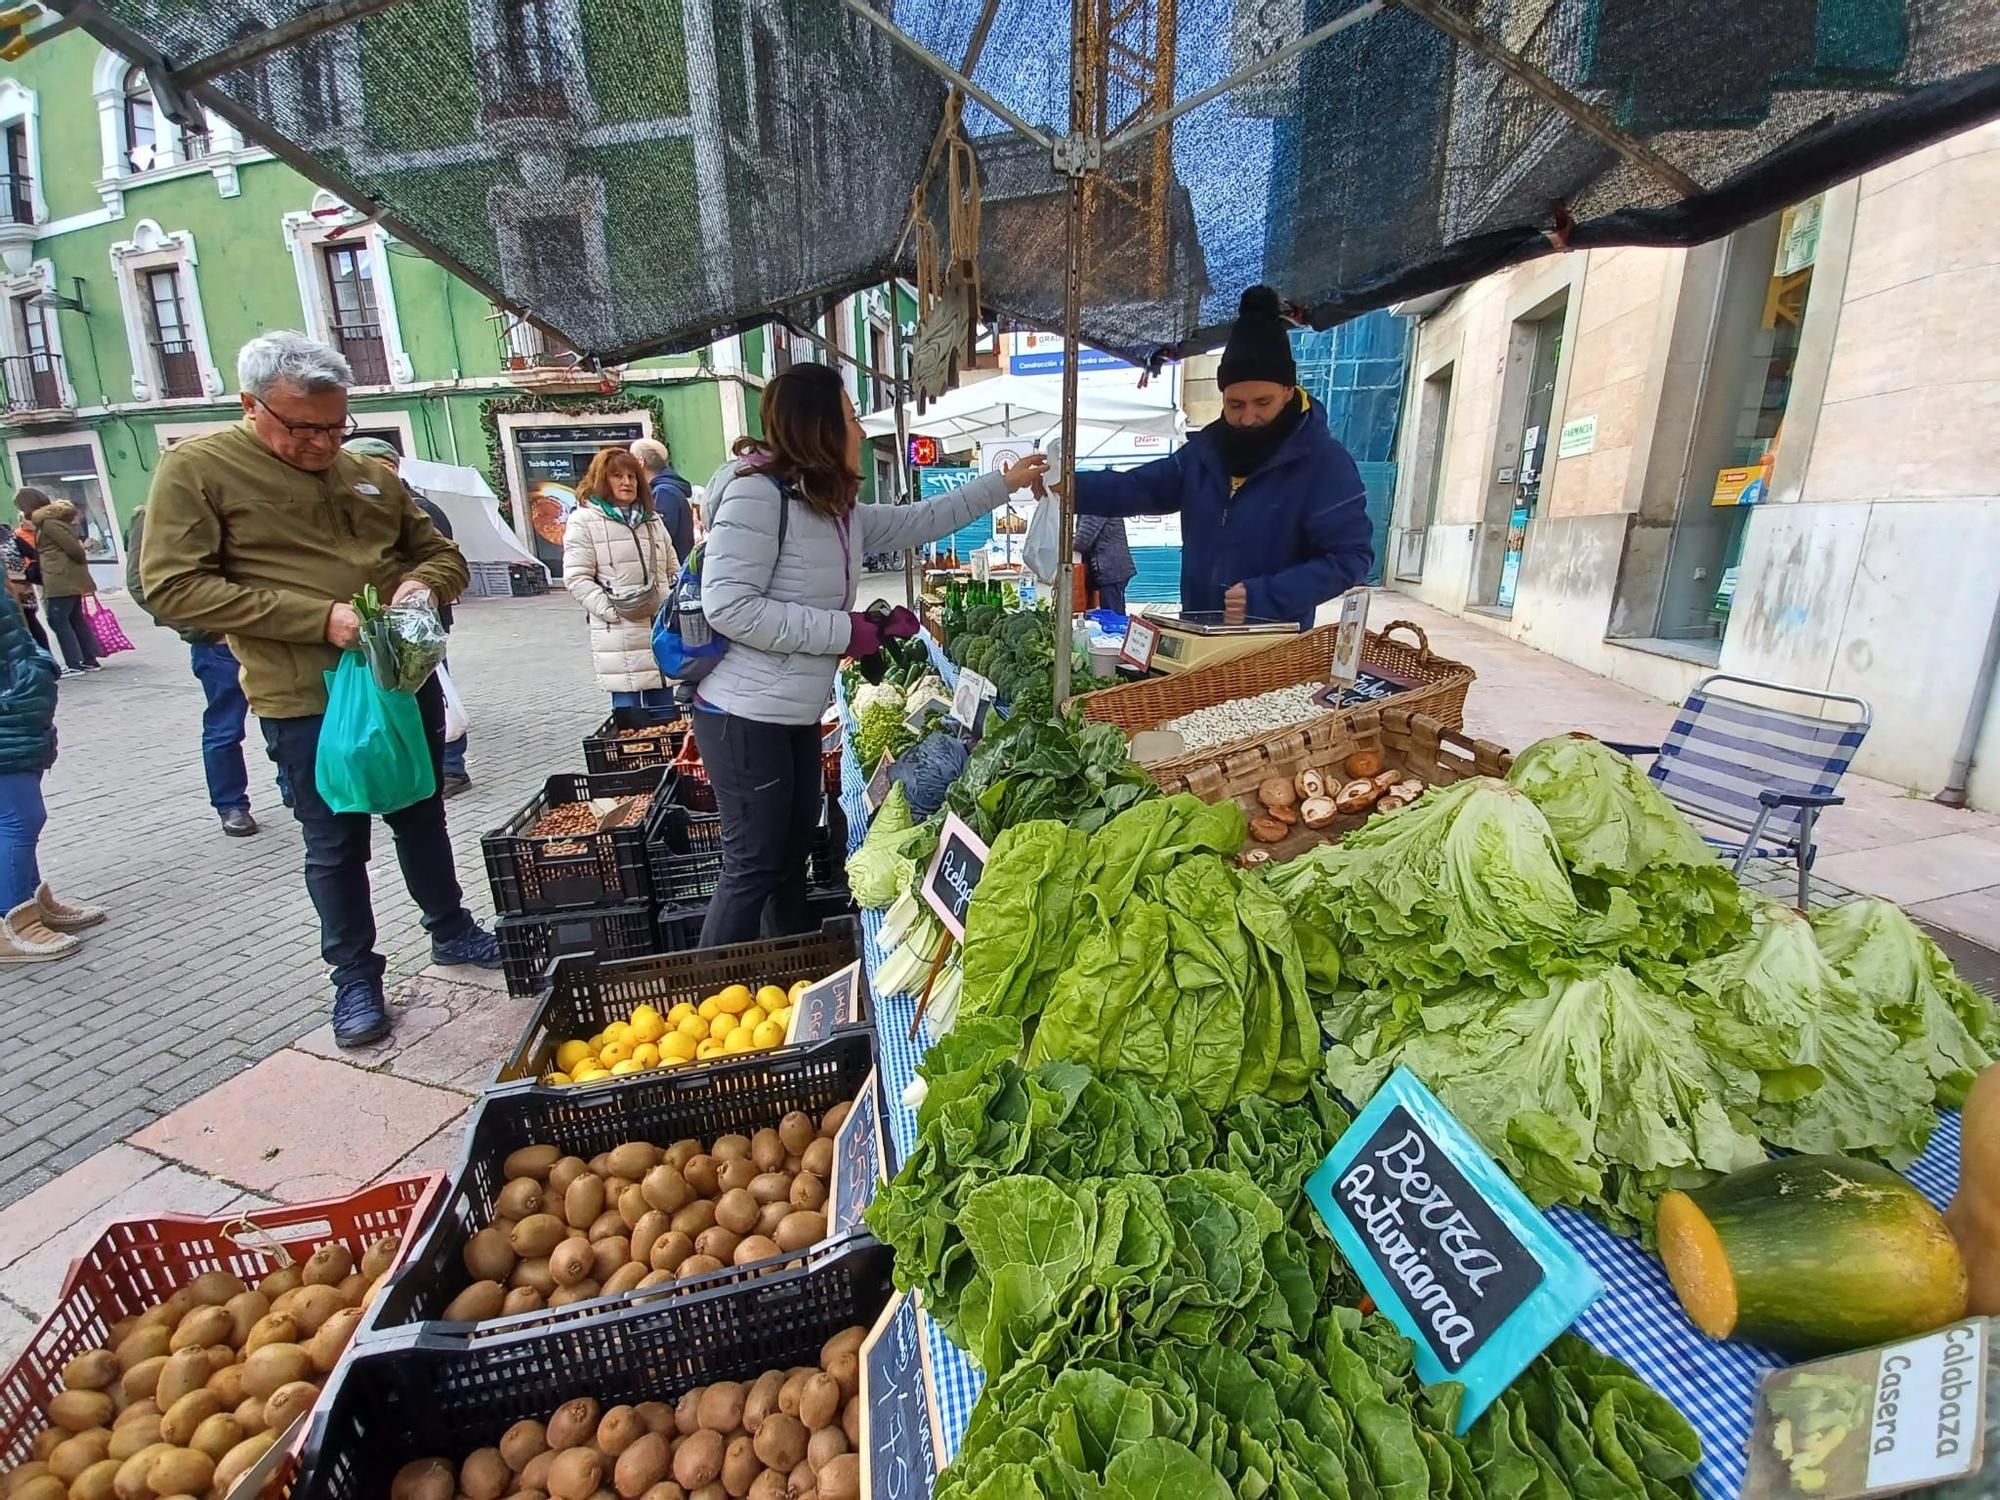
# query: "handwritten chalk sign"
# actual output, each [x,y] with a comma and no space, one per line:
[954,874]
[833,1001]
[901,1441]
[1452,1252]
[876,792]
[969,700]
[1142,639]
[859,1162]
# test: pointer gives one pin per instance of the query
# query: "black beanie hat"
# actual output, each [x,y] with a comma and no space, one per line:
[1260,346]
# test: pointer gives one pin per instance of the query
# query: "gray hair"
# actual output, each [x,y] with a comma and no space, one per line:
[287,358]
[652,455]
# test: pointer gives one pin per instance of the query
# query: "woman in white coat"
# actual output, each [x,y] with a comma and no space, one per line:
[619,563]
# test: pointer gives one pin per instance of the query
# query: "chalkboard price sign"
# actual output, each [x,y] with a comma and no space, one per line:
[1452,1252]
[833,1001]
[923,713]
[876,792]
[954,873]
[900,1438]
[859,1162]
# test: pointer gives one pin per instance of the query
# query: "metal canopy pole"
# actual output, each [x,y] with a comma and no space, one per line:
[1077,157]
[899,393]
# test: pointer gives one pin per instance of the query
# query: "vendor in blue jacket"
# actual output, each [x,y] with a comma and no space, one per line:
[1274,520]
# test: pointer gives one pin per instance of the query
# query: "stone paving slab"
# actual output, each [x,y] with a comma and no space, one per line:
[1921,871]
[448,1033]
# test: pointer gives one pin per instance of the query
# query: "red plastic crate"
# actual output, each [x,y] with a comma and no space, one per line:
[138,1262]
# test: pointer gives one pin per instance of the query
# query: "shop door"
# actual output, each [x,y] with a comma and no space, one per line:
[1534,450]
[553,462]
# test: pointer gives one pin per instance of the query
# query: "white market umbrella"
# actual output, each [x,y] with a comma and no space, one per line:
[1030,406]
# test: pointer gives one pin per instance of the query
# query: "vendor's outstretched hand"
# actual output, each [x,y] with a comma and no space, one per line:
[1235,604]
[1026,471]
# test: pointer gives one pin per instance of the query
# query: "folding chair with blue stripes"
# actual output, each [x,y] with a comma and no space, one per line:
[1758,770]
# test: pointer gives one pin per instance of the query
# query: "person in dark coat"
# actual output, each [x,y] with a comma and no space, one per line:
[1274,518]
[673,496]
[1100,545]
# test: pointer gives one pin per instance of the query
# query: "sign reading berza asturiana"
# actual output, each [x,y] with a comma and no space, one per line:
[954,873]
[900,1439]
[1452,1252]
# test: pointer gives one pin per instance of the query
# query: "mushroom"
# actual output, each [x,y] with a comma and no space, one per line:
[1387,780]
[1317,812]
[1356,796]
[1288,815]
[1267,830]
[1409,789]
[1249,859]
[1276,791]
[1310,784]
[1363,765]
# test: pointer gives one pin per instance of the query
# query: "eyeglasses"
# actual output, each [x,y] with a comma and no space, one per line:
[302,430]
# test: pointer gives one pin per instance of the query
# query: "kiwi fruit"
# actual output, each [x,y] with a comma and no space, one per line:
[737,1172]
[606,1225]
[238,1460]
[289,1402]
[582,1291]
[736,1211]
[477,1303]
[671,1251]
[314,1304]
[522,1299]
[564,1172]
[75,1454]
[379,1254]
[770,1187]
[696,1217]
[95,1482]
[519,1198]
[818,1159]
[618,1429]
[43,1486]
[79,1411]
[228,1384]
[531,1161]
[698,1459]
[142,1344]
[92,1370]
[424,1479]
[575,1473]
[185,1415]
[326,1346]
[833,1119]
[841,1478]
[574,1422]
[634,1160]
[214,1287]
[273,1328]
[484,1475]
[583,1200]
[329,1265]
[807,1192]
[488,1255]
[717,1243]
[699,1172]
[244,1309]
[641,1464]
[721,1408]
[780,1442]
[800,1228]
[217,1435]
[754,1247]
[571,1262]
[535,1274]
[127,1438]
[666,1189]
[537,1235]
[280,1282]
[699,1265]
[819,1401]
[797,1132]
[625,1279]
[523,1441]
[761,1400]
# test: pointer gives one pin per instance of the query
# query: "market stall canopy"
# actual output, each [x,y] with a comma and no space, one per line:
[1030,406]
[468,500]
[644,175]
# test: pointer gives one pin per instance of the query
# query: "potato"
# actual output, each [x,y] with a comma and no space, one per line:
[697,1265]
[79,1411]
[670,1251]
[826,1445]
[800,1228]
[329,1265]
[76,1453]
[841,1479]
[780,1442]
[583,1291]
[326,1346]
[698,1459]
[819,1401]
[563,1173]
[699,1172]
[181,1471]
[641,1465]
[754,1247]
[534,1273]
[696,1217]
[379,1254]
[634,1159]
[217,1435]
[484,1475]
[95,1482]
[281,1281]
[143,1344]
[818,1159]
[237,1461]
[571,1261]
[522,1299]
[605,1226]
[92,1370]
[538,1234]
[288,1403]
[536,1475]
[737,1172]
[626,1278]
[272,1366]
[575,1473]
[850,1421]
[424,1479]
[531,1161]
[273,1328]
[127,1438]
[477,1303]
[519,1198]
[718,1243]
[250,1413]
[736,1211]
[202,1326]
[574,1422]
[188,1413]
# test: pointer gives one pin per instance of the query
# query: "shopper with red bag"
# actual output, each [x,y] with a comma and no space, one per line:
[66,580]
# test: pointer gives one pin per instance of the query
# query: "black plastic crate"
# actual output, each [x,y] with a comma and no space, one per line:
[527,580]
[746,1093]
[420,1396]
[606,751]
[680,926]
[586,993]
[543,874]
[530,944]
[684,854]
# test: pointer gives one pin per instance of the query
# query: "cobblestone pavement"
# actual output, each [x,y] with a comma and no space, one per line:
[211,959]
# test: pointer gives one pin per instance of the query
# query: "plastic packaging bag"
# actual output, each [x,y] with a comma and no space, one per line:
[1041,550]
[456,724]
[403,643]
[373,757]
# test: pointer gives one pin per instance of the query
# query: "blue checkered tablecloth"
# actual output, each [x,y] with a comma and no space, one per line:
[1638,1318]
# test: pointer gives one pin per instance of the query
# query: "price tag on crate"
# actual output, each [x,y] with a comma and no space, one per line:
[833,1001]
[859,1161]
[954,873]
[901,1441]
[1142,639]
[876,792]
[1452,1252]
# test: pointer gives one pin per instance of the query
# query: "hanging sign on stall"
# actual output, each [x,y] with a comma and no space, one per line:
[971,700]
[955,870]
[1142,639]
[901,1441]
[859,1161]
[1452,1252]
[1876,1422]
[833,1001]
[876,792]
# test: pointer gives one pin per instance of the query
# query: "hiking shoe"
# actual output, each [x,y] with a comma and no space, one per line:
[456,782]
[360,1013]
[70,672]
[478,948]
[238,823]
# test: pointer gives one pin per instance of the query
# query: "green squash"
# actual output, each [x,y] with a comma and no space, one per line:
[1811,1255]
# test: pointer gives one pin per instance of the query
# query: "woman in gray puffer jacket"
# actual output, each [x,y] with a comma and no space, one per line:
[786,609]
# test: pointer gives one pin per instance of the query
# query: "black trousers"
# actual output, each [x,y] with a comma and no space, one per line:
[769,789]
[73,632]
[337,847]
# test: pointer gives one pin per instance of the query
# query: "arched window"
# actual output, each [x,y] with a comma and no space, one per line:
[142,123]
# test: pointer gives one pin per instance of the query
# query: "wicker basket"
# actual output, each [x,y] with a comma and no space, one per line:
[1416,743]
[1439,691]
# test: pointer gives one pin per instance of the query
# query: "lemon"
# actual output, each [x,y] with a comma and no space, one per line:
[556,1080]
[738,1040]
[708,1049]
[735,999]
[797,990]
[768,1034]
[618,1031]
[587,1071]
[782,1015]
[770,998]
[569,1054]
[596,1041]
[721,1026]
[679,1013]
[646,1055]
[710,1007]
[615,1053]
[755,1016]
[694,1027]
[648,1025]
[678,1047]
[630,1065]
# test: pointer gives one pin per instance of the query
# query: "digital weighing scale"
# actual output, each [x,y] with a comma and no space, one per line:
[1200,639]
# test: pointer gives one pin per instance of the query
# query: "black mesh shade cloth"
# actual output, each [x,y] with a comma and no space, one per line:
[642,176]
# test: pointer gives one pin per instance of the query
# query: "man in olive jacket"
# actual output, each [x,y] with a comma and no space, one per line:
[263,533]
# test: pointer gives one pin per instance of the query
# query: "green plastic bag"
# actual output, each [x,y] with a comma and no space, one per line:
[373,756]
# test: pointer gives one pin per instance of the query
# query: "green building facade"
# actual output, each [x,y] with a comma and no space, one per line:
[137,258]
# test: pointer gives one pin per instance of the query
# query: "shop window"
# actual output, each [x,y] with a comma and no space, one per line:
[18,201]
[141,123]
[176,362]
[355,322]
[69,471]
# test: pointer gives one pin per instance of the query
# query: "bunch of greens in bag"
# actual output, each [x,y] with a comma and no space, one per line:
[403,642]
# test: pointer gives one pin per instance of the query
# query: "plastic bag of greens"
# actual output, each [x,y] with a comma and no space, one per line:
[373,756]
[403,642]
